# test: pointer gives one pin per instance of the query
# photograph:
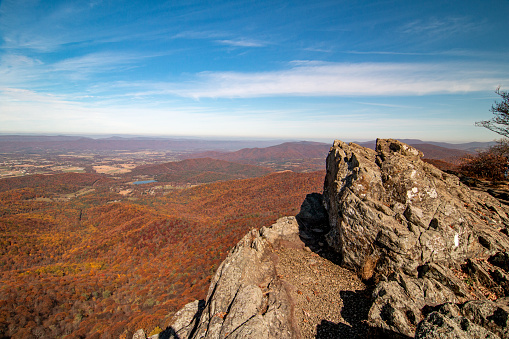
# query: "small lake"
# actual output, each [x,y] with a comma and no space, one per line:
[143,182]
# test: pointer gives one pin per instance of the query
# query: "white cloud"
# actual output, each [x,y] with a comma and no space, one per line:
[96,62]
[310,78]
[241,43]
[388,105]
[386,53]
[18,70]
[440,26]
[30,111]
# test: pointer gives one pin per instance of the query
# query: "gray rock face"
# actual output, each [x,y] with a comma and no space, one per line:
[417,232]
[474,319]
[246,299]
[448,323]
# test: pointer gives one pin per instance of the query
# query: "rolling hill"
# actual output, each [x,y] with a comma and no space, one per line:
[298,156]
[200,170]
[309,156]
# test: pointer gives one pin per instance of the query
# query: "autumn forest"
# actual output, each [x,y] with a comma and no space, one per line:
[85,254]
[101,237]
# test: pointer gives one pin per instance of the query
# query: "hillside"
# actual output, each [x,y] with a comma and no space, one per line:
[434,152]
[298,156]
[443,155]
[83,261]
[201,170]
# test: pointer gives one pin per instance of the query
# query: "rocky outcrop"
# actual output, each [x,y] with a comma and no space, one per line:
[272,285]
[433,251]
[246,298]
[417,233]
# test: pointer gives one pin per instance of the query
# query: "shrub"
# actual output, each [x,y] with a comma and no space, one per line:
[489,164]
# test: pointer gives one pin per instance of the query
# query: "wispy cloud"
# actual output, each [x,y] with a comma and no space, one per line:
[18,70]
[321,47]
[344,79]
[98,62]
[388,105]
[23,71]
[35,26]
[451,52]
[203,34]
[440,26]
[386,53]
[241,43]
[30,111]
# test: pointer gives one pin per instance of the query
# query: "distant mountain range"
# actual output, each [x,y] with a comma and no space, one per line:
[469,146]
[302,156]
[309,156]
[27,143]
[14,143]
[451,153]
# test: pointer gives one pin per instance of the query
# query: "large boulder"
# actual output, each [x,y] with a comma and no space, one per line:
[417,233]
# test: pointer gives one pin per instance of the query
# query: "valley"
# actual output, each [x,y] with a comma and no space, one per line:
[87,252]
[96,243]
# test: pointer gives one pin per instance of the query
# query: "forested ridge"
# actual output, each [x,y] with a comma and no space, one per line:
[192,171]
[78,260]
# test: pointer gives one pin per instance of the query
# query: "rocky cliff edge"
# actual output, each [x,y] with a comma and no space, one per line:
[433,252]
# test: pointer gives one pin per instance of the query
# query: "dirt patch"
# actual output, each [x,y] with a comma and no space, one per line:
[104,169]
[329,301]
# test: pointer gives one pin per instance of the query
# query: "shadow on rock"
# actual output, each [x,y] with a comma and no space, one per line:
[187,326]
[355,312]
[313,223]
[169,333]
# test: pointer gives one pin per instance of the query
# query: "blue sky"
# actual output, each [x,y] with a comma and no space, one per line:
[304,70]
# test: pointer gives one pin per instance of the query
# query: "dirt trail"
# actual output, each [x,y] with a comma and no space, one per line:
[329,301]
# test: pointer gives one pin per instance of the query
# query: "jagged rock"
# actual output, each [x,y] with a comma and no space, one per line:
[500,259]
[492,315]
[313,222]
[313,216]
[447,323]
[409,227]
[474,319]
[246,299]
[184,321]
